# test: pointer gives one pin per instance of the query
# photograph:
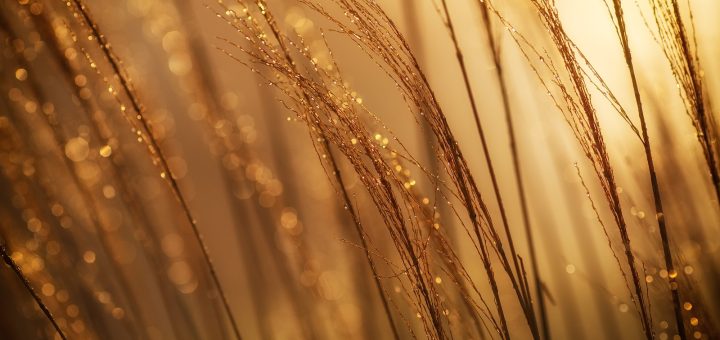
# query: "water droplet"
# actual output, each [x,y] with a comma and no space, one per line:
[106,151]
[21,74]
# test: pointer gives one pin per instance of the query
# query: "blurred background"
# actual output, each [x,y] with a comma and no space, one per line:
[93,223]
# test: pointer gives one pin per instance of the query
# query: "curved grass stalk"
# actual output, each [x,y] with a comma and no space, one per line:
[537,281]
[686,68]
[657,198]
[361,234]
[580,114]
[156,152]
[16,269]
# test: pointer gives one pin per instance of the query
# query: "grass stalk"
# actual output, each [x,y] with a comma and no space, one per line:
[707,131]
[525,301]
[157,151]
[335,169]
[657,198]
[361,234]
[18,272]
[537,281]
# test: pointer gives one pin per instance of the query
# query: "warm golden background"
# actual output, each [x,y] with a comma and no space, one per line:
[104,235]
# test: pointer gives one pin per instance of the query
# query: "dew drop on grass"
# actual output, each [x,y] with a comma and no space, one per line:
[105,151]
[21,74]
